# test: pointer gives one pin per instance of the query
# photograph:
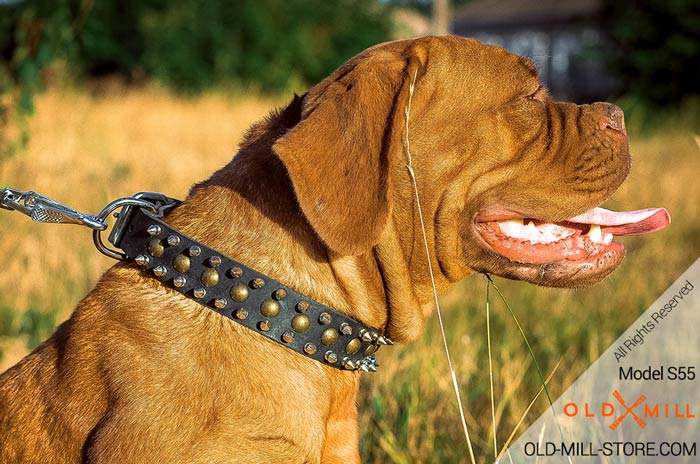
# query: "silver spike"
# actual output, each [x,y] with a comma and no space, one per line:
[141,260]
[220,303]
[309,348]
[331,357]
[366,335]
[160,271]
[382,340]
[215,261]
[345,328]
[179,281]
[194,250]
[348,364]
[364,367]
[154,229]
[173,240]
[372,367]
[199,292]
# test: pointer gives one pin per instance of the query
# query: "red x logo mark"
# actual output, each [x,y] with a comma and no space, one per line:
[628,410]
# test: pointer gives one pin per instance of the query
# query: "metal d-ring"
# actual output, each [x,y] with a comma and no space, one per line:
[116,204]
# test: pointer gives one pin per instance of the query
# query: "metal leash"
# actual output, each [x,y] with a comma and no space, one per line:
[44,209]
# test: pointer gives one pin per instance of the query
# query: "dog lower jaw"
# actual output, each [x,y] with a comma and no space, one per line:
[564,274]
[576,252]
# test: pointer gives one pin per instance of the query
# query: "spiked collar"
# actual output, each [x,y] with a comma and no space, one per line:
[242,294]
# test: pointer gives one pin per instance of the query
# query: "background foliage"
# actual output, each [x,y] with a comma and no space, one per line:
[187,45]
[655,48]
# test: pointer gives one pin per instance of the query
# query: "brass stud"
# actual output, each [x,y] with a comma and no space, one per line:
[235,272]
[181,263]
[269,308]
[214,261]
[371,349]
[324,318]
[160,271]
[257,283]
[142,260]
[154,229]
[239,293]
[345,328]
[301,323]
[173,240]
[155,248]
[179,281]
[330,357]
[288,336]
[309,348]
[303,306]
[353,346]
[240,313]
[280,294]
[210,278]
[220,303]
[199,292]
[329,336]
[264,325]
[194,250]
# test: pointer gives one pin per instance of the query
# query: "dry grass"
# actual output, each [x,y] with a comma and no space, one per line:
[86,150]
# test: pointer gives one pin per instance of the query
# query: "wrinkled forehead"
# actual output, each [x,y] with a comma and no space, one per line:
[469,58]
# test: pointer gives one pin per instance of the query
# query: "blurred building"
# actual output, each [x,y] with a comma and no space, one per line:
[559,36]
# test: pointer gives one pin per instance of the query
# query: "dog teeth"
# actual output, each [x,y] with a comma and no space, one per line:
[595,233]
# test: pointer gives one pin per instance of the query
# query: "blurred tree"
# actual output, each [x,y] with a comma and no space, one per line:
[193,44]
[30,38]
[655,47]
[188,45]
[425,6]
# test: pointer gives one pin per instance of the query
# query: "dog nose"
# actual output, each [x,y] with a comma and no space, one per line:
[615,119]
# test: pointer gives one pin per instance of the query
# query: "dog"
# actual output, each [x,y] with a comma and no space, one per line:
[319,197]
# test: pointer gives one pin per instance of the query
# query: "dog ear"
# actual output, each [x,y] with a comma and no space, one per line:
[341,154]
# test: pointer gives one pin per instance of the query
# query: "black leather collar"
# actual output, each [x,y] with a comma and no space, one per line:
[245,295]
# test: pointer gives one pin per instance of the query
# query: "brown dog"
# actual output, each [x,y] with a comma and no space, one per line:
[319,198]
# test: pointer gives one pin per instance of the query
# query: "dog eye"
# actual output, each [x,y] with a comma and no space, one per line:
[538,95]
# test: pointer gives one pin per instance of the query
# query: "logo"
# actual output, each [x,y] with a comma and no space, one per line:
[628,410]
[640,411]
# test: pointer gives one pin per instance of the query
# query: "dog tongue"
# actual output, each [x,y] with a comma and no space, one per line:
[642,221]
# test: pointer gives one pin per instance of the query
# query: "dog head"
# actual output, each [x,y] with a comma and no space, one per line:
[508,179]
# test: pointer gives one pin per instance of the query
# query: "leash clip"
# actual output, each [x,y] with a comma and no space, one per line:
[44,209]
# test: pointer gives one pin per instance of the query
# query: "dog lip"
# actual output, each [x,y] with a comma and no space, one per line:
[498,214]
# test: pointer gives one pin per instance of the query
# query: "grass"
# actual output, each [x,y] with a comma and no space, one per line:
[87,149]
